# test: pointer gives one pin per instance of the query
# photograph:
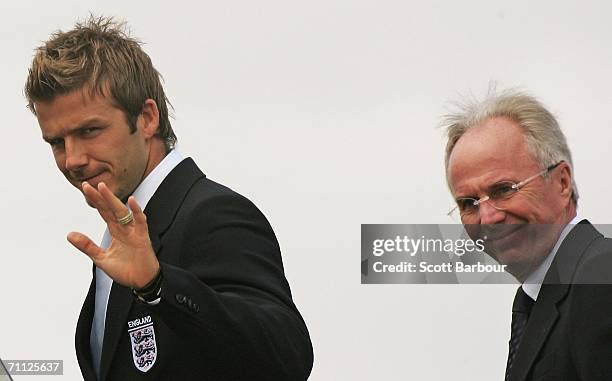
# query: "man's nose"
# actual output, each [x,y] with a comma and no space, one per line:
[489,214]
[76,156]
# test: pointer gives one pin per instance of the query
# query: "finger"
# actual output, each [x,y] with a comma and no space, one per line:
[96,200]
[114,204]
[92,195]
[85,245]
[115,210]
[139,217]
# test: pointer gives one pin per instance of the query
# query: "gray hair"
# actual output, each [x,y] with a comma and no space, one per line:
[543,136]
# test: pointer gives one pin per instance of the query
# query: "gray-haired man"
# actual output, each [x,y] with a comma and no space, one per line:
[510,171]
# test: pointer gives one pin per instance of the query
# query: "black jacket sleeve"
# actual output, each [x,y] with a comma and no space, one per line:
[225,298]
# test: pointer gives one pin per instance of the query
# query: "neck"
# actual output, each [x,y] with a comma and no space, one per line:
[570,213]
[157,153]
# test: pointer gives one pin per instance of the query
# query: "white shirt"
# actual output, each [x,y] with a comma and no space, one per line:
[533,283]
[142,194]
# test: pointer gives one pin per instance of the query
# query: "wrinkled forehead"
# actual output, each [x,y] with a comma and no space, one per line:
[68,111]
[488,153]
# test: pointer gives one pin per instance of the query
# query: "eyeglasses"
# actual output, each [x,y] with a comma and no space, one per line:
[498,196]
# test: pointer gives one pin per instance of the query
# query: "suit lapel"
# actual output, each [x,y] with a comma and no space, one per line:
[554,289]
[83,332]
[542,318]
[160,212]
[168,198]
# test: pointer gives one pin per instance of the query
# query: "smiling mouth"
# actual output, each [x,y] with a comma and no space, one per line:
[501,232]
[82,179]
[88,179]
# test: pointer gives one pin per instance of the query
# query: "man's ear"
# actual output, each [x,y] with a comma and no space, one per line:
[148,120]
[565,180]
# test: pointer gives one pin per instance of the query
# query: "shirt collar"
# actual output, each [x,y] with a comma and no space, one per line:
[533,283]
[149,185]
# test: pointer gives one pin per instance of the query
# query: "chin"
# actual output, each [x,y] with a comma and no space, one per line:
[510,257]
[521,260]
[121,194]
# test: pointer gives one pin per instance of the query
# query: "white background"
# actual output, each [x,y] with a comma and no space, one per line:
[324,113]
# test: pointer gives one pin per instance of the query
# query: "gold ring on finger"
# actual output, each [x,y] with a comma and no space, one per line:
[127,219]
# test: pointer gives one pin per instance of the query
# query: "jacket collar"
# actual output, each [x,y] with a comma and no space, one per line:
[165,203]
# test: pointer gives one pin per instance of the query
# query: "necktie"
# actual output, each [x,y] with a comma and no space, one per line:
[521,308]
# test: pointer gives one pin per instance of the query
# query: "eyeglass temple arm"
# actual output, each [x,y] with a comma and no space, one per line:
[550,168]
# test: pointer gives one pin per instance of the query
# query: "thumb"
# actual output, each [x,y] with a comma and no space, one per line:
[85,245]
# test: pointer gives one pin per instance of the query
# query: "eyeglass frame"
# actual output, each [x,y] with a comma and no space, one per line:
[515,186]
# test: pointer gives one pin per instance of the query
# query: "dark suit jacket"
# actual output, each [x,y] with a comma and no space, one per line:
[226,311]
[569,332]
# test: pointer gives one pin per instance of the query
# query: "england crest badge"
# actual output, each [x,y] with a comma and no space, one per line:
[144,347]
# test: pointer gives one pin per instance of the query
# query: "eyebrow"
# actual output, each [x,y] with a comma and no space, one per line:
[87,123]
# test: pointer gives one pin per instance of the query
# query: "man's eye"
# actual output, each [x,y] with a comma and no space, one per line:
[467,205]
[56,143]
[502,191]
[88,131]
